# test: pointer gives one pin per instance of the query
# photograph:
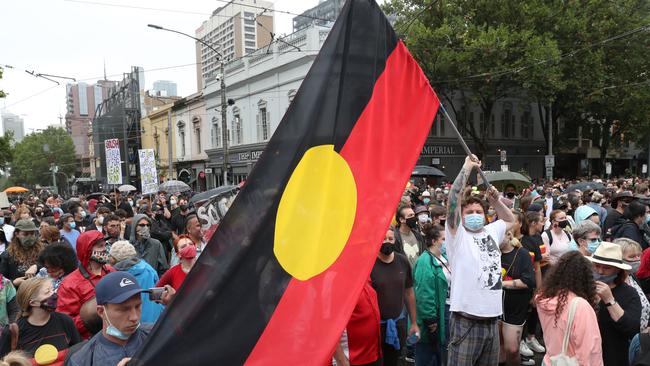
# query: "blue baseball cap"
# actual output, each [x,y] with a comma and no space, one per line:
[116,287]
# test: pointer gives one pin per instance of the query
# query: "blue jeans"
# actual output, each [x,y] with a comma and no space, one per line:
[425,355]
[635,346]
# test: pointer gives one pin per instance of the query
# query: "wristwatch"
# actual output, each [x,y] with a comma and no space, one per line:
[608,304]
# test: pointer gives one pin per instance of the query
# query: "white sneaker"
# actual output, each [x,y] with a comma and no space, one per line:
[527,362]
[533,345]
[524,350]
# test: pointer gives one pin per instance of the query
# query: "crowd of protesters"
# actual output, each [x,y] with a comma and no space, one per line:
[83,280]
[542,273]
[464,276]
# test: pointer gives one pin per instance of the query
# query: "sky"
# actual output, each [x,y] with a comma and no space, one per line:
[74,38]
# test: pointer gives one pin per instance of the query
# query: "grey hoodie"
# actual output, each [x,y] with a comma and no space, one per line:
[150,250]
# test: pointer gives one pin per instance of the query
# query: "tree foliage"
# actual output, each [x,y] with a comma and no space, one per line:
[37,152]
[559,53]
[6,151]
[2,94]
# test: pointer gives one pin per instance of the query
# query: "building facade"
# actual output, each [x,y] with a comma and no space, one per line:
[323,14]
[155,134]
[262,86]
[81,101]
[192,139]
[13,122]
[235,29]
[164,88]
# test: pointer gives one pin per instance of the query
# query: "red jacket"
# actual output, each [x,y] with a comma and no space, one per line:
[76,289]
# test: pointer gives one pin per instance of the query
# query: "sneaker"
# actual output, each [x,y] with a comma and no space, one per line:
[527,361]
[409,359]
[533,345]
[524,350]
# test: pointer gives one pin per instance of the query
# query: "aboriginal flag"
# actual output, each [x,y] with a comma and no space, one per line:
[281,275]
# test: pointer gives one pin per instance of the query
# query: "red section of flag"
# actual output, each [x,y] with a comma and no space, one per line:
[381,152]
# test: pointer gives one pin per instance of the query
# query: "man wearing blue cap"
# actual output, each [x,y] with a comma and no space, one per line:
[119,305]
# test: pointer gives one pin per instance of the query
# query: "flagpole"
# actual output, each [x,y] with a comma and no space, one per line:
[463,144]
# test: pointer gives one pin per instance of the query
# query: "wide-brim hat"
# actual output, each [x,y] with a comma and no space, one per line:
[610,254]
[26,225]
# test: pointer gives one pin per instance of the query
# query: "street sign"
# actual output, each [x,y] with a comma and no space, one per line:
[435,161]
[503,156]
[608,168]
[644,168]
[504,168]
[208,170]
[549,161]
[549,172]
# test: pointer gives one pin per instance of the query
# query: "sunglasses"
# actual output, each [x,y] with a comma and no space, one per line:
[144,225]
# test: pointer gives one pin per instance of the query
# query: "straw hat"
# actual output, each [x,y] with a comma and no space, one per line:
[609,254]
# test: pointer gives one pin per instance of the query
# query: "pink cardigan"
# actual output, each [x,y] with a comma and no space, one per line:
[584,342]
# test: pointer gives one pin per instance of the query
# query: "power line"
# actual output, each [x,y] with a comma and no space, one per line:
[175,11]
[278,11]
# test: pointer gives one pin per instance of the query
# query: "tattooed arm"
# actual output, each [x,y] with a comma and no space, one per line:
[456,192]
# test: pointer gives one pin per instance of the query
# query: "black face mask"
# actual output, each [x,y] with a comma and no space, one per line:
[49,304]
[387,248]
[412,222]
[510,195]
[183,207]
[442,222]
[563,224]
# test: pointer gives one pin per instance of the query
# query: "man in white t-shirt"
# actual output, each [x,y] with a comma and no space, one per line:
[473,251]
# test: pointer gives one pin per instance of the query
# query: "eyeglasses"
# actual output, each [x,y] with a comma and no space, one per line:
[144,225]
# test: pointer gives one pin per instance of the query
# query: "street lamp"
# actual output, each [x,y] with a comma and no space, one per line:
[224,103]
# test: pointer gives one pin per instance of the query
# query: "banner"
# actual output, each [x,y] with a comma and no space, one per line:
[148,174]
[113,162]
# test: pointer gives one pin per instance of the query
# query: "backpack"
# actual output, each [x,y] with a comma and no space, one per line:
[563,359]
[550,237]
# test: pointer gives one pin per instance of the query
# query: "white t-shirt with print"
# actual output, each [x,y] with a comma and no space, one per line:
[476,269]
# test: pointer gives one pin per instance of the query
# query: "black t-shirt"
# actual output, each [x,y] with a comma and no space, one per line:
[10,268]
[616,335]
[59,332]
[390,280]
[178,223]
[532,244]
[516,265]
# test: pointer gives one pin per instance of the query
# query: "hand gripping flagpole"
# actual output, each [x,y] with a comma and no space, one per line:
[463,144]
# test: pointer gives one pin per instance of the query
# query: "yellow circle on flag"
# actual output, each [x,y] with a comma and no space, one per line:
[316,213]
[46,354]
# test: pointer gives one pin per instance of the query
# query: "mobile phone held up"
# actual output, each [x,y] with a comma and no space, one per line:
[155,293]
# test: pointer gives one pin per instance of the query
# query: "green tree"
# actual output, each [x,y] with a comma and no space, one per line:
[6,151]
[36,153]
[2,94]
[480,51]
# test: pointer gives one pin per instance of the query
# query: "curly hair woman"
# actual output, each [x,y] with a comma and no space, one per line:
[569,280]
[18,262]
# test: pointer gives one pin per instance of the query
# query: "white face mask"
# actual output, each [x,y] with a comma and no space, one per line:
[423,218]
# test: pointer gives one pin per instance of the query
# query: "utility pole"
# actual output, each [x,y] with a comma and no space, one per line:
[169,140]
[53,169]
[224,124]
[127,175]
[550,138]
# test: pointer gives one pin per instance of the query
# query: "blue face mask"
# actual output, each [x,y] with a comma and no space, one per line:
[2,221]
[73,225]
[605,278]
[113,331]
[443,249]
[426,200]
[474,222]
[592,245]
[647,218]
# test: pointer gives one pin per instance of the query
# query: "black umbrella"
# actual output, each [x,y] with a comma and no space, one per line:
[427,171]
[203,196]
[97,195]
[584,186]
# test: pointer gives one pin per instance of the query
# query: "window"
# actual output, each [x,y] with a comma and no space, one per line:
[216,132]
[526,125]
[291,95]
[250,44]
[181,134]
[249,21]
[196,122]
[249,29]
[442,123]
[249,15]
[263,117]
[434,127]
[249,36]
[236,127]
[493,128]
[250,50]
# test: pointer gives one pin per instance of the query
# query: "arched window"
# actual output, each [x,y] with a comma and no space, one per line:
[216,132]
[181,135]
[196,125]
[237,133]
[263,121]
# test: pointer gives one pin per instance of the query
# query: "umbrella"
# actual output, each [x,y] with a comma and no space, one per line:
[584,186]
[16,190]
[126,188]
[97,195]
[426,171]
[501,179]
[173,186]
[204,196]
